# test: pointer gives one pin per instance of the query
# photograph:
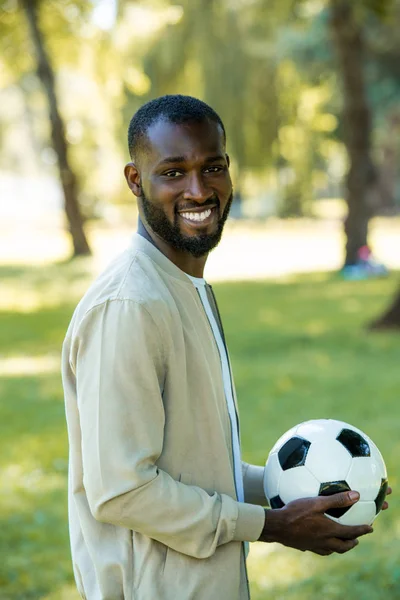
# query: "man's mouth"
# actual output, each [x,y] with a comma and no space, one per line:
[197,216]
[204,216]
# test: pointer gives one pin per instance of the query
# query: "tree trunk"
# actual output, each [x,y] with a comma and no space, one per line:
[390,318]
[362,175]
[67,176]
[389,168]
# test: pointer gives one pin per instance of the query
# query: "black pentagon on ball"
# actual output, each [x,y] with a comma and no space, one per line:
[334,487]
[293,453]
[354,443]
[276,502]
[380,499]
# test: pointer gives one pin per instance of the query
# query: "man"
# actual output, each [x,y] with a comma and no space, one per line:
[161,506]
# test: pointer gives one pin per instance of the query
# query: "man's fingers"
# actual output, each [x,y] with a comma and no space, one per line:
[385,505]
[323,552]
[342,546]
[338,500]
[346,532]
[344,499]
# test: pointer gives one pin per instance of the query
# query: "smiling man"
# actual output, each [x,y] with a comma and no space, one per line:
[160,504]
[180,176]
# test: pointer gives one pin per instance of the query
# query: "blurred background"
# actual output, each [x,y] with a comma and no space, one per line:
[307,272]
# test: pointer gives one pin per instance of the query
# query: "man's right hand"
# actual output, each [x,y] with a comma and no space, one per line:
[301,524]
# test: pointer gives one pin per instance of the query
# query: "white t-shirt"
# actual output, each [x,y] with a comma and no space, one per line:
[226,375]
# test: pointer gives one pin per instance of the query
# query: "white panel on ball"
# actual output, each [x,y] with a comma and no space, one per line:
[297,483]
[362,513]
[284,438]
[319,428]
[328,460]
[365,477]
[378,459]
[272,473]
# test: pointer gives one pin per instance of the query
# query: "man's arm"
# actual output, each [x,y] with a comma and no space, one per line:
[253,484]
[119,363]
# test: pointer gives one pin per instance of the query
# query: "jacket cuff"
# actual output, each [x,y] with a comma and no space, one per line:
[250,522]
[253,482]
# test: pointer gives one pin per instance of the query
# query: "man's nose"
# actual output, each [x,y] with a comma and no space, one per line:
[197,189]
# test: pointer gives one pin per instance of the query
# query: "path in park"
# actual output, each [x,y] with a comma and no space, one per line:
[273,248]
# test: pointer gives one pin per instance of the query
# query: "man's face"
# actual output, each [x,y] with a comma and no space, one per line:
[186,190]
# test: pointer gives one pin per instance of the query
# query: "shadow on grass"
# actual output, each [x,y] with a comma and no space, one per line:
[34,333]
[32,421]
[34,544]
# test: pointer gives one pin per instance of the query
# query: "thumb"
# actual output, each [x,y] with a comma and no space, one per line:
[339,500]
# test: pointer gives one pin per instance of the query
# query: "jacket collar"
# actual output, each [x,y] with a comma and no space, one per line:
[142,244]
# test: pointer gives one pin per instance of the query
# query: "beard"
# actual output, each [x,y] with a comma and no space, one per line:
[197,245]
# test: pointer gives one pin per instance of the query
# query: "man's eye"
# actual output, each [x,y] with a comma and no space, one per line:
[172,174]
[213,169]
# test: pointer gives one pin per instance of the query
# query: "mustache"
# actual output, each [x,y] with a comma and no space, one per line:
[214,201]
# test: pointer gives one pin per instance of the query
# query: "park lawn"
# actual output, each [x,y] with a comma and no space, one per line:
[299,351]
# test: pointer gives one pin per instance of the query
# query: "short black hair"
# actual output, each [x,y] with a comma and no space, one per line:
[174,108]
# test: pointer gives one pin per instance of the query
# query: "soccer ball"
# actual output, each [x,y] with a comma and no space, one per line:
[323,457]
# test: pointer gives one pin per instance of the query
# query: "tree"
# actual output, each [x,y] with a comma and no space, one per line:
[362,174]
[67,176]
[365,44]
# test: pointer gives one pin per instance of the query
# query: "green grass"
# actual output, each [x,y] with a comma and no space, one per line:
[299,351]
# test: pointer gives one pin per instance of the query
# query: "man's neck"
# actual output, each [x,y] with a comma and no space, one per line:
[183,260]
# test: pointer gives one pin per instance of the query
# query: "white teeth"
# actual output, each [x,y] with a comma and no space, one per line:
[194,216]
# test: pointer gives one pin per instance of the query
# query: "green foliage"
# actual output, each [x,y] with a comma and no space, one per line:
[63,24]
[379,8]
[233,54]
[237,82]
[299,351]
[89,85]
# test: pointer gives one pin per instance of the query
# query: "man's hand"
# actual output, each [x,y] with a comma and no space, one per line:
[301,524]
[385,505]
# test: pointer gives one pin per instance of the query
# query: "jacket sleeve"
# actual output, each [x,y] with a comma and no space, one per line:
[119,363]
[253,484]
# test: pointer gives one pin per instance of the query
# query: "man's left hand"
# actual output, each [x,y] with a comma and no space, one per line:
[385,505]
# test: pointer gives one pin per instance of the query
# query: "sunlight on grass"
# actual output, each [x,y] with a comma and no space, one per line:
[271,565]
[316,327]
[20,482]
[269,316]
[66,592]
[29,365]
[26,288]
[351,305]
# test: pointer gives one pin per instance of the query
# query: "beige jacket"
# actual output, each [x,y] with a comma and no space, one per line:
[152,507]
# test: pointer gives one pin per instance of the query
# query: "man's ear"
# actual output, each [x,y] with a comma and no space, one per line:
[228,160]
[132,177]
